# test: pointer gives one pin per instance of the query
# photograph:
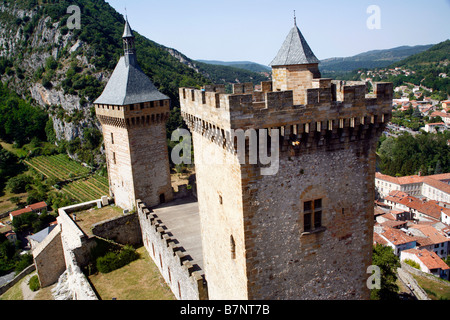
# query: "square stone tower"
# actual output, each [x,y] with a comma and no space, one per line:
[133,114]
[303,230]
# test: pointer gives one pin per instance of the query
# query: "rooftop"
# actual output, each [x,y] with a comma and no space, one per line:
[430,259]
[396,236]
[128,83]
[295,50]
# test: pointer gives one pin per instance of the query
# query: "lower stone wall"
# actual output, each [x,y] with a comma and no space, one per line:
[418,272]
[49,258]
[17,278]
[76,246]
[123,230]
[186,281]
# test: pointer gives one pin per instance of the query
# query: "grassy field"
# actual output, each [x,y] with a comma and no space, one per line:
[139,280]
[435,290]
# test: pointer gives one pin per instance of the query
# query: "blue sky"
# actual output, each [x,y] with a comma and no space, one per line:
[253,30]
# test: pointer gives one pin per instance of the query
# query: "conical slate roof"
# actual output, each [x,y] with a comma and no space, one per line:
[128,83]
[127,32]
[295,50]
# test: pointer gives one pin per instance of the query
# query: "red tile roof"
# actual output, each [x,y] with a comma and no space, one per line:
[395,236]
[430,259]
[38,206]
[29,208]
[20,211]
[435,236]
[444,187]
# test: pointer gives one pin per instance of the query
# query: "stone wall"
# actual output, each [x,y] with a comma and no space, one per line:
[119,165]
[219,193]
[136,152]
[295,77]
[17,278]
[124,229]
[285,261]
[186,281]
[76,247]
[49,258]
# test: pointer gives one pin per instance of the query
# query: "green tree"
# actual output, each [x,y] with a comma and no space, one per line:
[19,184]
[388,262]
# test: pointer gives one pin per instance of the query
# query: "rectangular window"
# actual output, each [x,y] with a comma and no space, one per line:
[307,222]
[312,215]
[114,158]
[317,219]
[112,138]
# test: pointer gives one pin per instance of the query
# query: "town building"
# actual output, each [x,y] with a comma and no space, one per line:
[434,187]
[428,261]
[35,207]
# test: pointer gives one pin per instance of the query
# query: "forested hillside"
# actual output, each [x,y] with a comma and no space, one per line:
[429,69]
[335,67]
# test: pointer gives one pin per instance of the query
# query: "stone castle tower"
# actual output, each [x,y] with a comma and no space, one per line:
[133,114]
[304,231]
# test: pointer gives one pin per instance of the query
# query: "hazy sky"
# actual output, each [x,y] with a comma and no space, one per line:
[253,30]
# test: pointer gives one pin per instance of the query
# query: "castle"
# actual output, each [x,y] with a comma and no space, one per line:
[284,181]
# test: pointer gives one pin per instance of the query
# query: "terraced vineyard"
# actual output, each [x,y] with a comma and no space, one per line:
[78,182]
[87,189]
[59,167]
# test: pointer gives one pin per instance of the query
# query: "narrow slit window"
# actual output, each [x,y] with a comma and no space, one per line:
[233,247]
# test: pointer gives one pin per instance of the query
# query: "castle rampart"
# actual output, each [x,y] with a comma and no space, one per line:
[181,273]
[335,111]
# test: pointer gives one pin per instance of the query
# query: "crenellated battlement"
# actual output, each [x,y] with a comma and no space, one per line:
[249,108]
[138,114]
[185,278]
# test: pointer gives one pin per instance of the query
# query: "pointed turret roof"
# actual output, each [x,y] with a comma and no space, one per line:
[127,32]
[128,83]
[295,50]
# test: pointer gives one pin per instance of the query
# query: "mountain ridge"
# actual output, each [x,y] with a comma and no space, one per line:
[379,58]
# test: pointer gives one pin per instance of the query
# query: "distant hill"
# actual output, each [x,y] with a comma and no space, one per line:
[369,60]
[437,53]
[224,74]
[429,69]
[246,65]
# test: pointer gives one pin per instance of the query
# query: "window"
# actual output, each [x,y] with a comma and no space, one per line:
[220,199]
[233,247]
[114,157]
[312,215]
[112,138]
